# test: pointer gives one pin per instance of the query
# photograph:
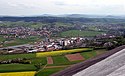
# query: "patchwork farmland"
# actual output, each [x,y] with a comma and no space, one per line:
[47,63]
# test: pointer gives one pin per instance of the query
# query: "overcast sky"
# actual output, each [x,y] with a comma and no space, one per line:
[39,7]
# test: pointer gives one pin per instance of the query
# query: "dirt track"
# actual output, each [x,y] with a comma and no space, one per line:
[49,60]
[83,65]
[62,66]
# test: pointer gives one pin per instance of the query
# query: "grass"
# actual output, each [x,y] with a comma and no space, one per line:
[89,54]
[61,52]
[75,33]
[101,51]
[66,63]
[48,72]
[6,57]
[60,60]
[39,60]
[21,41]
[16,67]
[29,73]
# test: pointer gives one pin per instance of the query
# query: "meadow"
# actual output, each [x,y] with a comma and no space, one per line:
[5,42]
[13,56]
[75,33]
[16,67]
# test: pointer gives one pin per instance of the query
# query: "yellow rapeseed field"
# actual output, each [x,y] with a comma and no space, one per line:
[60,52]
[30,73]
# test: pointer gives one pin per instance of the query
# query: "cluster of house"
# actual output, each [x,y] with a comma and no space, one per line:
[57,44]
[21,32]
[105,36]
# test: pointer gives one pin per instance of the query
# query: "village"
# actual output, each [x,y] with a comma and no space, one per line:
[59,44]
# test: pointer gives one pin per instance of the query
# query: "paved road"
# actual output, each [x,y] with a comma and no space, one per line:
[94,61]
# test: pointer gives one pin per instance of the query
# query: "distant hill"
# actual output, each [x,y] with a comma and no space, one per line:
[91,16]
[67,18]
[82,16]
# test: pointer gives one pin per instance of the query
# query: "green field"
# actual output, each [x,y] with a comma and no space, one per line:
[13,56]
[48,72]
[16,67]
[59,60]
[88,55]
[39,60]
[75,33]
[62,60]
[18,41]
[100,51]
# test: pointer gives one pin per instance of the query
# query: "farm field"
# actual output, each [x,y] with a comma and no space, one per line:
[74,33]
[29,73]
[48,72]
[61,52]
[74,57]
[21,41]
[5,57]
[60,62]
[63,61]
[42,54]
[88,55]
[42,60]
[16,67]
[49,60]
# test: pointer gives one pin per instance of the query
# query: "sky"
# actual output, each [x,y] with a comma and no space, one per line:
[56,7]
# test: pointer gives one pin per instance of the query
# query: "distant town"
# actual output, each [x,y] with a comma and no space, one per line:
[55,43]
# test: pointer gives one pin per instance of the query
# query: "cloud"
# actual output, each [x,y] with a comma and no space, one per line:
[38,7]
